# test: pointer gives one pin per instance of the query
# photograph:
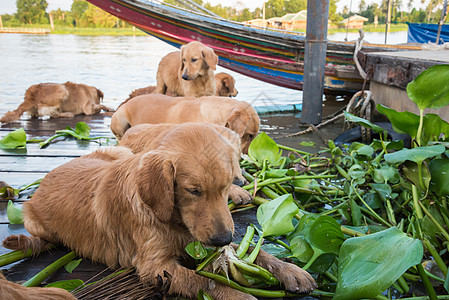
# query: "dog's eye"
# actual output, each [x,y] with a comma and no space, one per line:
[195,192]
[194,60]
[251,136]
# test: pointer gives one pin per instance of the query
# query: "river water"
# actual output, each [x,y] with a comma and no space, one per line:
[116,65]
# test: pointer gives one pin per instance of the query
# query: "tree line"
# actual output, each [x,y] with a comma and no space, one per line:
[84,14]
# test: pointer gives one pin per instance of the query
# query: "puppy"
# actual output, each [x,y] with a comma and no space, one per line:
[58,100]
[224,87]
[11,290]
[146,137]
[238,116]
[188,72]
[141,210]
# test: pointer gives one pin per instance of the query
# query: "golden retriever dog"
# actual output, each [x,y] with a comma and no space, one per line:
[224,87]
[188,72]
[14,291]
[238,116]
[141,210]
[58,100]
[146,137]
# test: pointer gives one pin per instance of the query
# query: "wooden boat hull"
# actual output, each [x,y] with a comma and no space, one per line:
[276,57]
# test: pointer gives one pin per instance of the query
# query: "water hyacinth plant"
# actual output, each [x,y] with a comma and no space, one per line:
[363,219]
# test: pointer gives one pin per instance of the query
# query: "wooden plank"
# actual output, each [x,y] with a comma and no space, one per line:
[398,69]
[24,164]
[17,179]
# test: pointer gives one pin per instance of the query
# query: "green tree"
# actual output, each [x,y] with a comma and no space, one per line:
[78,9]
[31,11]
[96,17]
[294,6]
[274,8]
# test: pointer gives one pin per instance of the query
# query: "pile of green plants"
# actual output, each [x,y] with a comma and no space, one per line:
[367,221]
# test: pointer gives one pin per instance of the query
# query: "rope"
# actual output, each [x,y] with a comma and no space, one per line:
[358,47]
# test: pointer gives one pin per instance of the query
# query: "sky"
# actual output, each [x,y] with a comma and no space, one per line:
[9,6]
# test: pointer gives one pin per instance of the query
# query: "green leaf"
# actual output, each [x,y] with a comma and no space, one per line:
[70,266]
[196,250]
[275,217]
[369,265]
[433,127]
[14,213]
[202,295]
[276,173]
[439,170]
[307,144]
[363,122]
[301,249]
[430,89]
[411,172]
[13,140]
[82,129]
[365,150]
[68,285]
[417,154]
[264,148]
[386,174]
[402,122]
[325,234]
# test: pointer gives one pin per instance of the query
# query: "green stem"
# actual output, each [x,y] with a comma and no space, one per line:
[252,257]
[443,231]
[207,261]
[244,244]
[426,282]
[251,291]
[436,256]
[47,141]
[420,126]
[287,178]
[12,257]
[416,202]
[45,273]
[278,241]
[403,284]
[293,150]
[374,214]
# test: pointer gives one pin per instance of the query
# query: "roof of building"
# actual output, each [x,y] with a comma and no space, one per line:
[355,18]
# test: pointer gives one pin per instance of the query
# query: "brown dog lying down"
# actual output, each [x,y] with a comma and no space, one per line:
[14,291]
[188,72]
[224,87]
[141,210]
[58,100]
[238,116]
[146,137]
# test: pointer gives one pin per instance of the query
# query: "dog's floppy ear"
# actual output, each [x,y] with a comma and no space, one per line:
[100,94]
[182,58]
[210,58]
[236,121]
[155,184]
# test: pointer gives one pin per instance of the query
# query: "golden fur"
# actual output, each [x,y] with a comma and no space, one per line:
[239,116]
[224,87]
[141,210]
[188,72]
[146,137]
[14,291]
[58,100]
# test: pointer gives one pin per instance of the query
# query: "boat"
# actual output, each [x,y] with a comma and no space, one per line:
[266,54]
[427,33]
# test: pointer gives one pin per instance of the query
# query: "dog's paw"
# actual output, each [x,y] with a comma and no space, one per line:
[240,196]
[293,278]
[16,242]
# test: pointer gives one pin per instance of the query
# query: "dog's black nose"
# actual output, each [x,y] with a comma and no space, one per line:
[238,181]
[220,240]
[185,77]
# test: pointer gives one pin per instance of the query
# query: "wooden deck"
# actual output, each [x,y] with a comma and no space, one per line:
[390,72]
[24,30]
[22,167]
